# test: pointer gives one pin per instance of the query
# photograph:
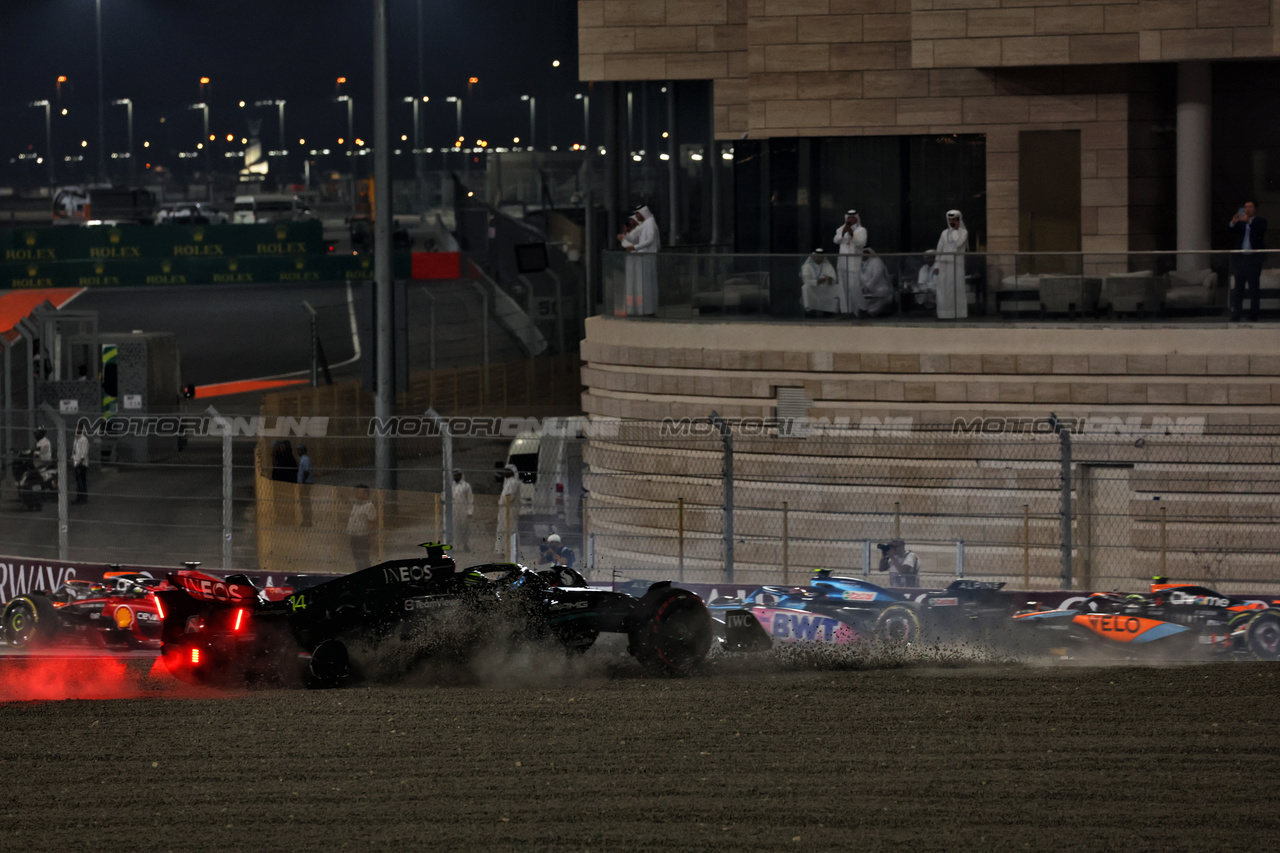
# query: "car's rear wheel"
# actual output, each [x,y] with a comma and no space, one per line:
[1263,636]
[328,665]
[30,622]
[899,625]
[672,631]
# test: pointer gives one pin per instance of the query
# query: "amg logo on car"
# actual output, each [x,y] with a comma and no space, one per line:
[405,574]
[1177,597]
[568,605]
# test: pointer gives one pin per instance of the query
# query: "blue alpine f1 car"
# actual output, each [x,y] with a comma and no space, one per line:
[844,610]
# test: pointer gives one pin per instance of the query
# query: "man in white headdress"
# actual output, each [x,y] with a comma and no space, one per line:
[876,286]
[819,291]
[851,237]
[924,291]
[953,303]
[508,510]
[642,244]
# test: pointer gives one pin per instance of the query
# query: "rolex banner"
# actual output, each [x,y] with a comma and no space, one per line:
[135,255]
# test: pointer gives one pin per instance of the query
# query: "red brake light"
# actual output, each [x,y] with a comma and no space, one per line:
[195,655]
[159,606]
[239,619]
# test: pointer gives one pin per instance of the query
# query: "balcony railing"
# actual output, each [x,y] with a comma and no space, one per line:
[1078,286]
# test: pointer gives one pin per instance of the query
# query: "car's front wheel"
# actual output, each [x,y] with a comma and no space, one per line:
[30,622]
[1263,636]
[899,625]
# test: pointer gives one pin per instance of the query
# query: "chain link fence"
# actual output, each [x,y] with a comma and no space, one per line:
[745,502]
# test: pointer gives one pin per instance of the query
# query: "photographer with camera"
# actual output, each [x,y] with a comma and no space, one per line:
[902,565]
[552,552]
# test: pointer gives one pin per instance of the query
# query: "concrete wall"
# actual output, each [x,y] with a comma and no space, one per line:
[1205,486]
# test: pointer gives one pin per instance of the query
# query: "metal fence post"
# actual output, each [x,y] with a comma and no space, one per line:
[866,558]
[446,479]
[726,436]
[959,559]
[680,537]
[226,486]
[1064,435]
[786,566]
[591,552]
[61,426]
[1026,546]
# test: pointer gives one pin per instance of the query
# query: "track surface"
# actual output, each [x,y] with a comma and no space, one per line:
[939,753]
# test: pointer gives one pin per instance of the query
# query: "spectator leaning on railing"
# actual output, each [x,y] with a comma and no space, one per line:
[641,244]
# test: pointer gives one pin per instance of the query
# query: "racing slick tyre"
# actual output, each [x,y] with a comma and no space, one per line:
[899,625]
[30,622]
[328,665]
[671,631]
[1263,636]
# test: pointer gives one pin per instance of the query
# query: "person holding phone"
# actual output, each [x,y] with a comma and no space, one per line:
[851,237]
[1249,236]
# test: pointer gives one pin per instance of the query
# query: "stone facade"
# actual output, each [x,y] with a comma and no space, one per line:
[890,67]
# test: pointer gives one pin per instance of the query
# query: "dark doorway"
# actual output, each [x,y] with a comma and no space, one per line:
[1049,198]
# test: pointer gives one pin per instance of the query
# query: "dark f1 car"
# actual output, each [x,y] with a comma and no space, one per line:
[1178,620]
[841,610]
[119,611]
[226,632]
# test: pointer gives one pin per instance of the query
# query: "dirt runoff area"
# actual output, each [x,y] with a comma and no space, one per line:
[938,751]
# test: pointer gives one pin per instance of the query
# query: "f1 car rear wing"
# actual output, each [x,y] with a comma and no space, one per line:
[213,590]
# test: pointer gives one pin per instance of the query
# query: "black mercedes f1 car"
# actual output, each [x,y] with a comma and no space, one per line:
[226,632]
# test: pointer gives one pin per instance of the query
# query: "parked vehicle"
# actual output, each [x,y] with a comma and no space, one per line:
[549,466]
[283,207]
[191,213]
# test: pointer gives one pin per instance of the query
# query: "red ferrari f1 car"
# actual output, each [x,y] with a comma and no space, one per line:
[118,611]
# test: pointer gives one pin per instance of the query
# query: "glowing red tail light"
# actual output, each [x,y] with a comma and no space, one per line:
[239,619]
[195,656]
[159,606]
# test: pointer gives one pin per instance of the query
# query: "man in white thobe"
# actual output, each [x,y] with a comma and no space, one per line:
[953,302]
[876,286]
[508,511]
[819,292]
[464,506]
[642,243]
[851,237]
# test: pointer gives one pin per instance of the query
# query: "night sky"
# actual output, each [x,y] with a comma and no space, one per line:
[156,51]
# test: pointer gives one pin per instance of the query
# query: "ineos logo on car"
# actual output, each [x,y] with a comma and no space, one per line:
[407,574]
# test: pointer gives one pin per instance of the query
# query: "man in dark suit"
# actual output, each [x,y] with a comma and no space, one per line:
[1249,235]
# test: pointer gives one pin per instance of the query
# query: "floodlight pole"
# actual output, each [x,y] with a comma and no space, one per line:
[382,268]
